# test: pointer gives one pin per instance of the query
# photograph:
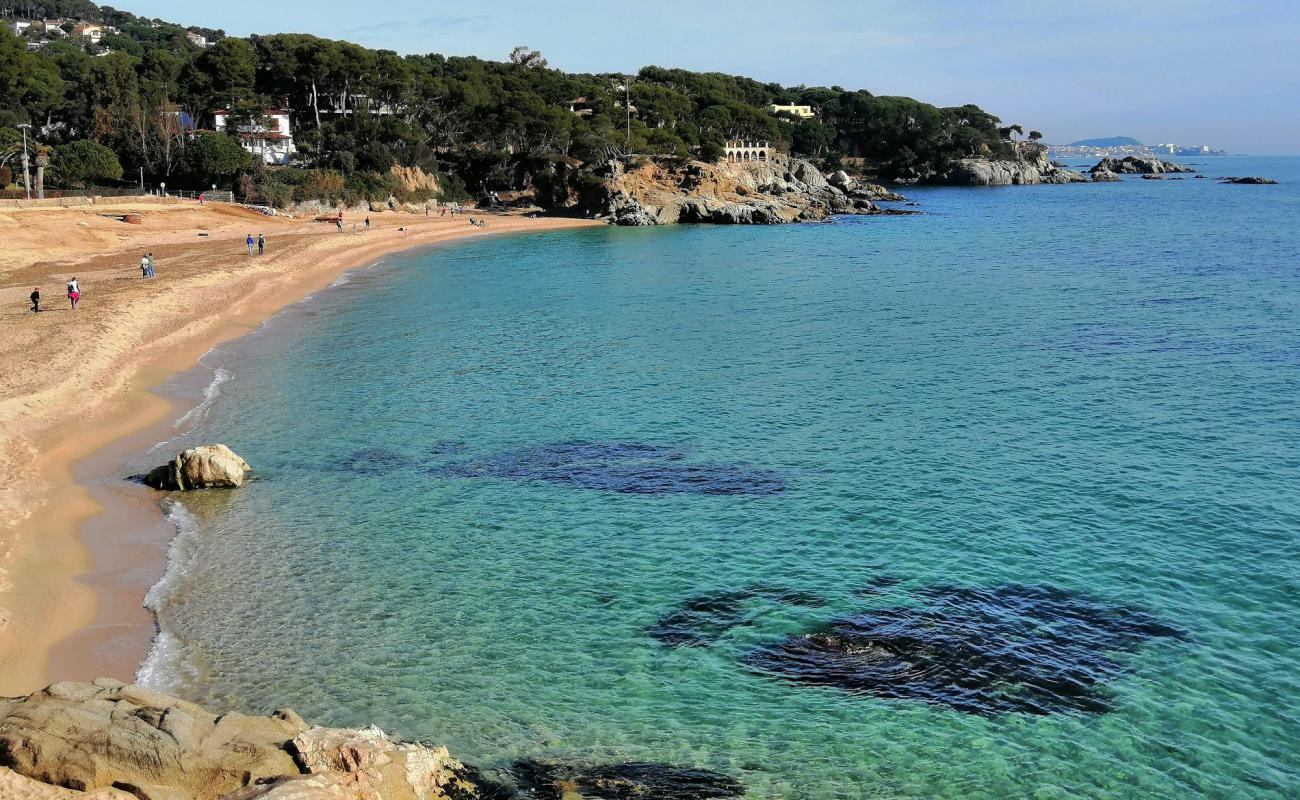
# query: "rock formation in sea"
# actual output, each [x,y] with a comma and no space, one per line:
[559,780]
[664,191]
[1029,168]
[107,740]
[1105,176]
[211,466]
[1256,180]
[704,618]
[986,651]
[1138,165]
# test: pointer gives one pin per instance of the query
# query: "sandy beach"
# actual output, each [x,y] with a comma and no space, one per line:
[76,385]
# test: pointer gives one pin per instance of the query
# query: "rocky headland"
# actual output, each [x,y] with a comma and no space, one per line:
[107,740]
[1137,165]
[1030,167]
[662,191]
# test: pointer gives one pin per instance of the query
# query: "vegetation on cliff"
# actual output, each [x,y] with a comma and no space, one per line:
[481,125]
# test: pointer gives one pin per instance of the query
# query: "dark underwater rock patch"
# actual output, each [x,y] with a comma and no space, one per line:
[703,618]
[1026,649]
[373,461]
[625,467]
[552,780]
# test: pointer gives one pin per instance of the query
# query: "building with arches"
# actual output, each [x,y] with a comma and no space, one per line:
[740,151]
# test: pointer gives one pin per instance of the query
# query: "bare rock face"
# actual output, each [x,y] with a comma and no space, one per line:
[105,736]
[212,466]
[669,191]
[367,764]
[110,735]
[1031,167]
[1137,165]
[16,787]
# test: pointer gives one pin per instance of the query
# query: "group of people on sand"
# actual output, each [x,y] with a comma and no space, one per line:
[146,266]
[259,243]
[74,296]
[478,222]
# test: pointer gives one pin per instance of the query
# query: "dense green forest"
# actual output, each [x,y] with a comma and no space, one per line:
[110,109]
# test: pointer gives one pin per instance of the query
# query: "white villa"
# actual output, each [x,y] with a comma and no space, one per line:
[272,140]
[745,150]
[196,38]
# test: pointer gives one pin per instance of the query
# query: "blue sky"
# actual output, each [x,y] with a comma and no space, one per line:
[1190,71]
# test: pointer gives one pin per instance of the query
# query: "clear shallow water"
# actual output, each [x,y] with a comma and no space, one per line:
[1086,387]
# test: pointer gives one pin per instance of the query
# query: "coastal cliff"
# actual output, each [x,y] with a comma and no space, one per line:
[669,191]
[1030,167]
[108,740]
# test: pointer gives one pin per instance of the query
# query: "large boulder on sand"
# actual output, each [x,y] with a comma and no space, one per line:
[98,736]
[212,466]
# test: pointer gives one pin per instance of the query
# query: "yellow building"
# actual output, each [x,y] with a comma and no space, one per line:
[802,112]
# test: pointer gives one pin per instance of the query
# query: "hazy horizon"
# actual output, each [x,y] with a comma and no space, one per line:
[1187,71]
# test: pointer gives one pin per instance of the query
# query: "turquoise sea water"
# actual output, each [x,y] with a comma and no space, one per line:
[1090,388]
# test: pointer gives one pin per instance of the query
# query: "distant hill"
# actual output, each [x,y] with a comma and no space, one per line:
[1109,141]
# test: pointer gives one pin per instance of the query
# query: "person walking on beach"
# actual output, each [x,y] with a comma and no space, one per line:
[74,293]
[144,266]
[249,241]
[261,243]
[149,270]
[36,300]
[367,223]
[339,222]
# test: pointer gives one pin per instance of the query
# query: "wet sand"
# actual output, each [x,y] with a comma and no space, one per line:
[78,547]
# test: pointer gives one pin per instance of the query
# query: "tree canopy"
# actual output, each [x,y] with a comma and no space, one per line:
[482,125]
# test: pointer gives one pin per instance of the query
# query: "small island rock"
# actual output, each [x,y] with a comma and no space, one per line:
[1251,181]
[212,466]
[1105,176]
[1137,165]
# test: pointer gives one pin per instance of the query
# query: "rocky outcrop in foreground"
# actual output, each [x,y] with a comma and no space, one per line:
[212,466]
[1031,168]
[111,741]
[1137,165]
[669,191]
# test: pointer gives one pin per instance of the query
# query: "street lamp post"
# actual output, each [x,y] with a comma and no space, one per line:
[27,179]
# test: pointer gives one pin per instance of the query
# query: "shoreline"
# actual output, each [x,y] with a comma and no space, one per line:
[65,590]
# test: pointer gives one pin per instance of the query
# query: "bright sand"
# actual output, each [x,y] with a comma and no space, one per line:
[75,383]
